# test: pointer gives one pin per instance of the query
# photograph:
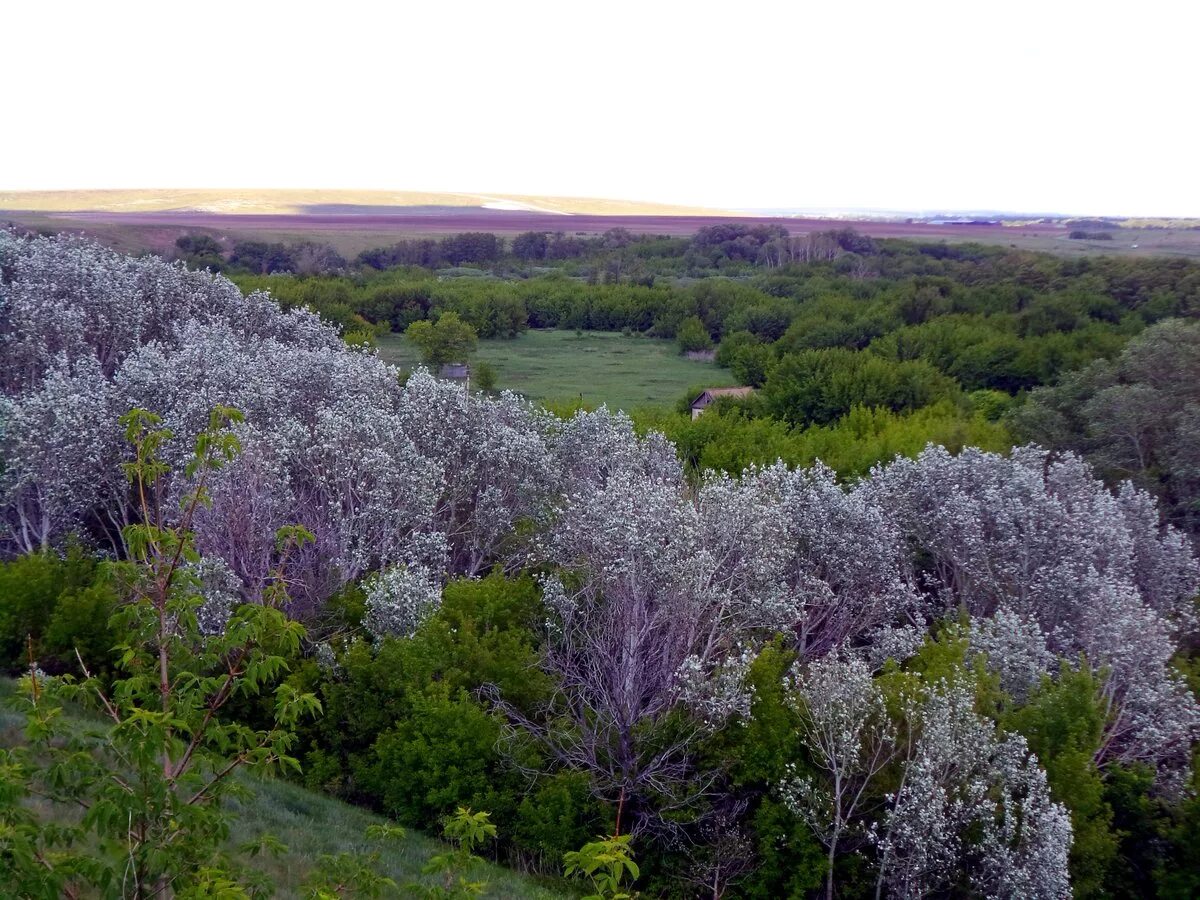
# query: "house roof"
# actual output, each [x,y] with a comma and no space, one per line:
[713,393]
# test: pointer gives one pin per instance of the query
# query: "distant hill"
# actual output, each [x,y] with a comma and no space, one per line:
[239,201]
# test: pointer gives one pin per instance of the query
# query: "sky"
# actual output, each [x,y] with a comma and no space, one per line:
[1048,106]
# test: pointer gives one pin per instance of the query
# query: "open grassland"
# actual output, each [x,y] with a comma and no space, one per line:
[310,825]
[625,372]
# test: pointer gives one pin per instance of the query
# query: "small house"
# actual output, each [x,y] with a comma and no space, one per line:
[708,395]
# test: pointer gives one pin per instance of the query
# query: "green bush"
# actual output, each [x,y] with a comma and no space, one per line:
[485,376]
[406,731]
[29,590]
[441,755]
[731,344]
[731,439]
[59,603]
[448,340]
[558,815]
[80,623]
[819,386]
[693,336]
[1064,722]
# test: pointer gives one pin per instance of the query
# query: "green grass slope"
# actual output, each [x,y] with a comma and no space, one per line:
[311,825]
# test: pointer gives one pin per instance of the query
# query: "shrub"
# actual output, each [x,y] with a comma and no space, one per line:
[819,386]
[485,376]
[59,604]
[692,336]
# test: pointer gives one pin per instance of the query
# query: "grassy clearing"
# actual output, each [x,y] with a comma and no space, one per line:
[625,372]
[311,825]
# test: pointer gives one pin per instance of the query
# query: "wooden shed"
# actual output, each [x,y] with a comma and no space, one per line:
[708,395]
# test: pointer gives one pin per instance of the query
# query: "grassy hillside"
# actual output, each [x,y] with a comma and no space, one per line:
[311,824]
[593,367]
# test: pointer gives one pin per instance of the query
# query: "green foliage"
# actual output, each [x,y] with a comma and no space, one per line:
[200,252]
[692,336]
[1140,821]
[405,729]
[78,633]
[789,860]
[731,440]
[530,245]
[746,357]
[152,779]
[30,586]
[1159,841]
[991,405]
[441,754]
[365,338]
[485,376]
[447,340]
[466,831]
[1063,722]
[1136,417]
[54,605]
[732,344]
[868,350]
[820,386]
[762,748]
[558,814]
[607,863]
[1179,873]
[262,258]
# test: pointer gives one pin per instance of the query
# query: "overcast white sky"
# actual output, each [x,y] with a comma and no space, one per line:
[1053,105]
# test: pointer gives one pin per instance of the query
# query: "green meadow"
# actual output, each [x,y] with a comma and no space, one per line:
[592,367]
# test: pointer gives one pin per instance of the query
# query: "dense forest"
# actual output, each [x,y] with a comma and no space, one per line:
[916,618]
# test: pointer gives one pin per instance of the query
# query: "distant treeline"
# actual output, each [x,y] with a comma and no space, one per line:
[612,253]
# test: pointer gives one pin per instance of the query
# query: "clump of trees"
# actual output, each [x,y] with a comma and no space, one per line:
[447,340]
[1135,417]
[263,258]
